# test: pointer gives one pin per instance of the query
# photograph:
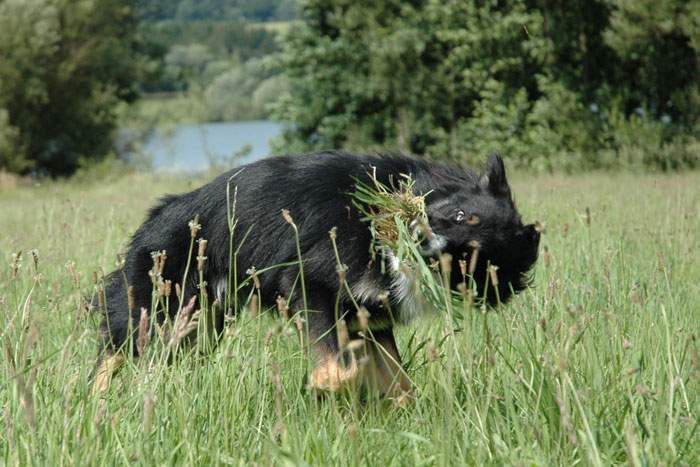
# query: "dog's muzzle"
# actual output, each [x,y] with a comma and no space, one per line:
[429,242]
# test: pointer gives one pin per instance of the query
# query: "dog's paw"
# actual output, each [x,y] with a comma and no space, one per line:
[403,400]
[333,376]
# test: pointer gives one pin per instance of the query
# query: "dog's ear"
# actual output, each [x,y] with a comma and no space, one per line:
[494,177]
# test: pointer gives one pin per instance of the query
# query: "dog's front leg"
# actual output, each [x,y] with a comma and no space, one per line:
[333,370]
[386,374]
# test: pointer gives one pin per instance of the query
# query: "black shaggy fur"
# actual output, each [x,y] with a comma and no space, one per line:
[462,206]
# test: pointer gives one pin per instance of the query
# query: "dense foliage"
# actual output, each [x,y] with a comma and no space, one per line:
[65,66]
[553,85]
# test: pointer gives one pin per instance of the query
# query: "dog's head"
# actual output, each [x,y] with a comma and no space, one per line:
[468,214]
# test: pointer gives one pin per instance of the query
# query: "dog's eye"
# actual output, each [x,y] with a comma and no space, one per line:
[459,217]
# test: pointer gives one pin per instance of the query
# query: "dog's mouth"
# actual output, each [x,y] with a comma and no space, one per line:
[430,244]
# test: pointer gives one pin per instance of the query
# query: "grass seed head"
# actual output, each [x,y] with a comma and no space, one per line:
[156,272]
[433,351]
[17,264]
[446,263]
[493,272]
[355,345]
[75,275]
[253,305]
[342,270]
[35,260]
[463,267]
[253,273]
[299,323]
[474,258]
[194,226]
[161,263]
[287,217]
[148,406]
[100,297]
[282,307]
[143,337]
[200,254]
[343,335]
[130,297]
[185,323]
[269,335]
[363,318]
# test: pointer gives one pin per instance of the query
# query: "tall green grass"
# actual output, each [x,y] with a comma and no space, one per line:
[597,364]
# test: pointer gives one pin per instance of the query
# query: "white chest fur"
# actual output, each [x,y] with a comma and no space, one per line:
[406,299]
[405,290]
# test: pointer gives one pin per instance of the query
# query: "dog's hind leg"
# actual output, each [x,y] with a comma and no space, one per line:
[114,330]
[106,368]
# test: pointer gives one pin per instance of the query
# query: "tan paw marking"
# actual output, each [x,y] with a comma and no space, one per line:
[109,365]
[331,375]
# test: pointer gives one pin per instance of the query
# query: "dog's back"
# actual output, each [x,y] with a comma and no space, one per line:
[315,189]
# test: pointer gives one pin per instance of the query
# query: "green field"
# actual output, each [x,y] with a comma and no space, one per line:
[597,364]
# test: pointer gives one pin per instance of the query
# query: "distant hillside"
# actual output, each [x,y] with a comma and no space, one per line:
[210,60]
[197,10]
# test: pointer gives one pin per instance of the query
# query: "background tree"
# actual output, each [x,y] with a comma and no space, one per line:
[66,65]
[659,45]
[400,74]
[553,84]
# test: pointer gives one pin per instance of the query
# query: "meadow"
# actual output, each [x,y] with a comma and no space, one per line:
[596,364]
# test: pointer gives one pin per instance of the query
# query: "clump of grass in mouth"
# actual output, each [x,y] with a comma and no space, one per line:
[386,208]
[397,219]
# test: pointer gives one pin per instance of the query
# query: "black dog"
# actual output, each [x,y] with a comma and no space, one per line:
[462,208]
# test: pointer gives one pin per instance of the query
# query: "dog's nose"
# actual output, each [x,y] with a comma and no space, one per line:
[423,242]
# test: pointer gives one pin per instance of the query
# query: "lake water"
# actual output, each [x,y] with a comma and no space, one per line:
[194,147]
